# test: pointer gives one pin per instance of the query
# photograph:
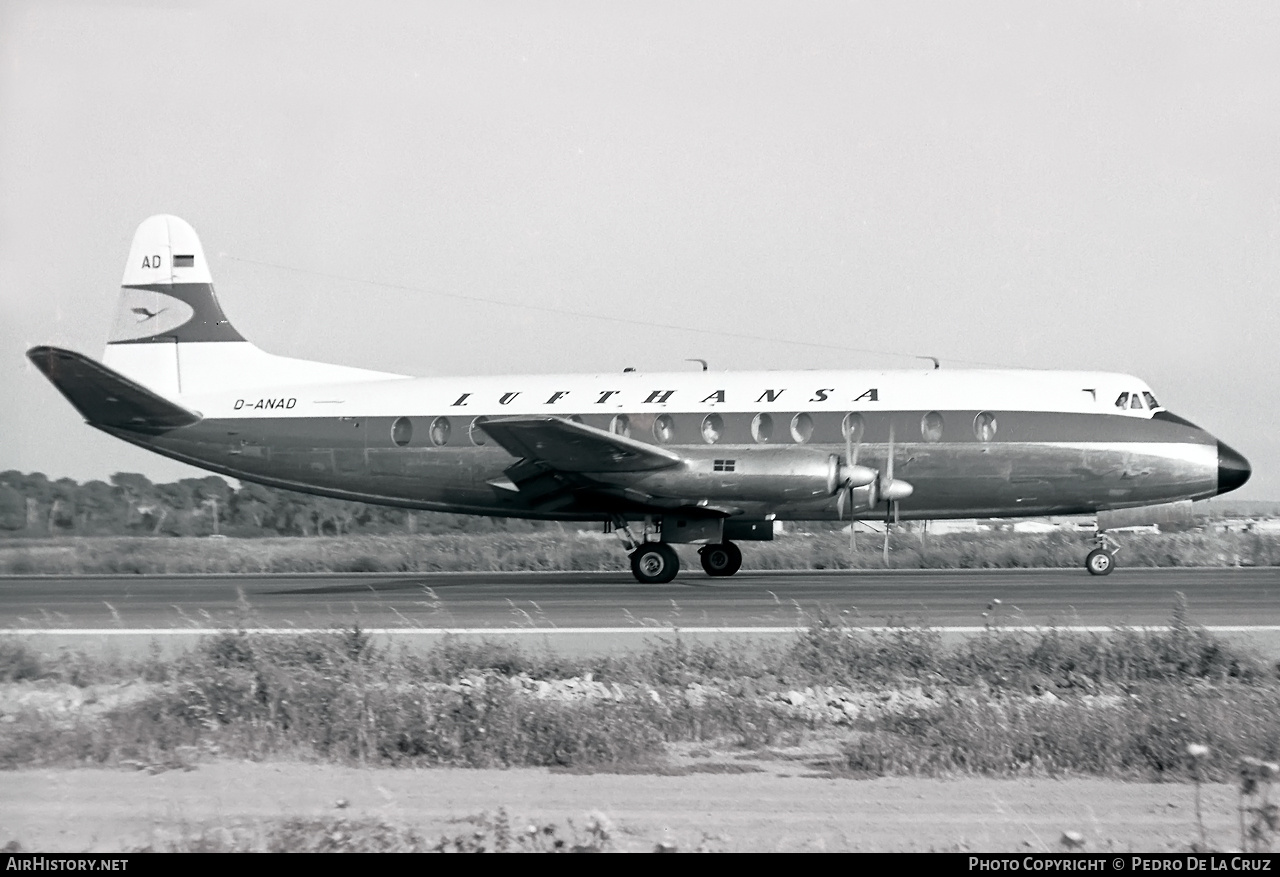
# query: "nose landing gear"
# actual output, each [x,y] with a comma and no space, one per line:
[1102,559]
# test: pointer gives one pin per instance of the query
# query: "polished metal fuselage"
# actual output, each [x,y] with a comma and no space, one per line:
[1039,463]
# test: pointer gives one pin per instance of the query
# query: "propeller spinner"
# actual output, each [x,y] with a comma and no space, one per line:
[863,487]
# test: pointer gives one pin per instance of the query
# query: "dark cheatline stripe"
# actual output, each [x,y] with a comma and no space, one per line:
[359,458]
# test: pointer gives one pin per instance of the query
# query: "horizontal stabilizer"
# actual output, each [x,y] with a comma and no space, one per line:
[565,446]
[105,397]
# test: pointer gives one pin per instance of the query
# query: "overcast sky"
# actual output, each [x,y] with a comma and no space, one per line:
[1065,185]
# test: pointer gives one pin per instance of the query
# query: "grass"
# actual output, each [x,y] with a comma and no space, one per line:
[1123,704]
[487,833]
[582,551]
[1174,705]
[1143,736]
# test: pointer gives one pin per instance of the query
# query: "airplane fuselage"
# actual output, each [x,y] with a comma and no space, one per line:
[985,444]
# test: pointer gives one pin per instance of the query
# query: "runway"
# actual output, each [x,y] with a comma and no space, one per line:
[603,602]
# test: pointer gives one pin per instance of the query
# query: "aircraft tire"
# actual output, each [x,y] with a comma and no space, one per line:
[723,559]
[1099,562]
[654,563]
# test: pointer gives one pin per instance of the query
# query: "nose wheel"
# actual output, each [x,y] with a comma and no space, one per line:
[1101,560]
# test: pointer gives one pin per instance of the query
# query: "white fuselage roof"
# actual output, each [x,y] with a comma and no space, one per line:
[814,391]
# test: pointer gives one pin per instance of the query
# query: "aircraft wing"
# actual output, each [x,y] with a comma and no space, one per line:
[105,397]
[575,448]
[563,464]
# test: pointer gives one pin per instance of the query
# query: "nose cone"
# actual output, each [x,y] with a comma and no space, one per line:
[1233,469]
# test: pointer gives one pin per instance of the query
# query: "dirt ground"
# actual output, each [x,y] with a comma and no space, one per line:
[782,806]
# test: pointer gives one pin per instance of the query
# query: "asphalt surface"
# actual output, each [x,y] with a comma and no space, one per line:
[508,601]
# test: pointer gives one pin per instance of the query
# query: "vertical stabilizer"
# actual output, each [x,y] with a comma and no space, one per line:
[167,290]
[171,336]
[166,298]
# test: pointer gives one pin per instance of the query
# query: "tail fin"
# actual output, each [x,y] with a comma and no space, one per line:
[167,292]
[166,298]
[171,335]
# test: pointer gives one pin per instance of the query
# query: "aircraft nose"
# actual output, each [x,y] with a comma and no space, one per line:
[1233,469]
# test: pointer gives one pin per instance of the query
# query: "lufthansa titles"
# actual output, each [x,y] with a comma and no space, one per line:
[663,396]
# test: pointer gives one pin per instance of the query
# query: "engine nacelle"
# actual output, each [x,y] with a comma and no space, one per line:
[727,475]
[868,496]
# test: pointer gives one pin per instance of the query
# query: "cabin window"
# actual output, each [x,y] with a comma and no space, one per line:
[712,428]
[620,425]
[440,429]
[802,428]
[852,427]
[476,433]
[984,426]
[402,431]
[1122,401]
[1135,401]
[664,428]
[931,426]
[1151,400]
[762,428]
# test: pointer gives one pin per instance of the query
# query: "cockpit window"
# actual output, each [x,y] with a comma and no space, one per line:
[1151,400]
[1122,401]
[1135,401]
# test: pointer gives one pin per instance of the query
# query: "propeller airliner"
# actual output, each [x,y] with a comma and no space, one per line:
[696,457]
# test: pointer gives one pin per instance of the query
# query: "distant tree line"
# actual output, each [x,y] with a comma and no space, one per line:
[130,504]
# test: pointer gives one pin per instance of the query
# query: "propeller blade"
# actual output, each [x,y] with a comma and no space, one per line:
[886,536]
[851,457]
[889,489]
[853,477]
[851,450]
[889,468]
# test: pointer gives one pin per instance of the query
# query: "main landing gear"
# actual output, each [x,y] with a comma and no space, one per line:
[656,562]
[723,559]
[652,563]
[1102,559]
